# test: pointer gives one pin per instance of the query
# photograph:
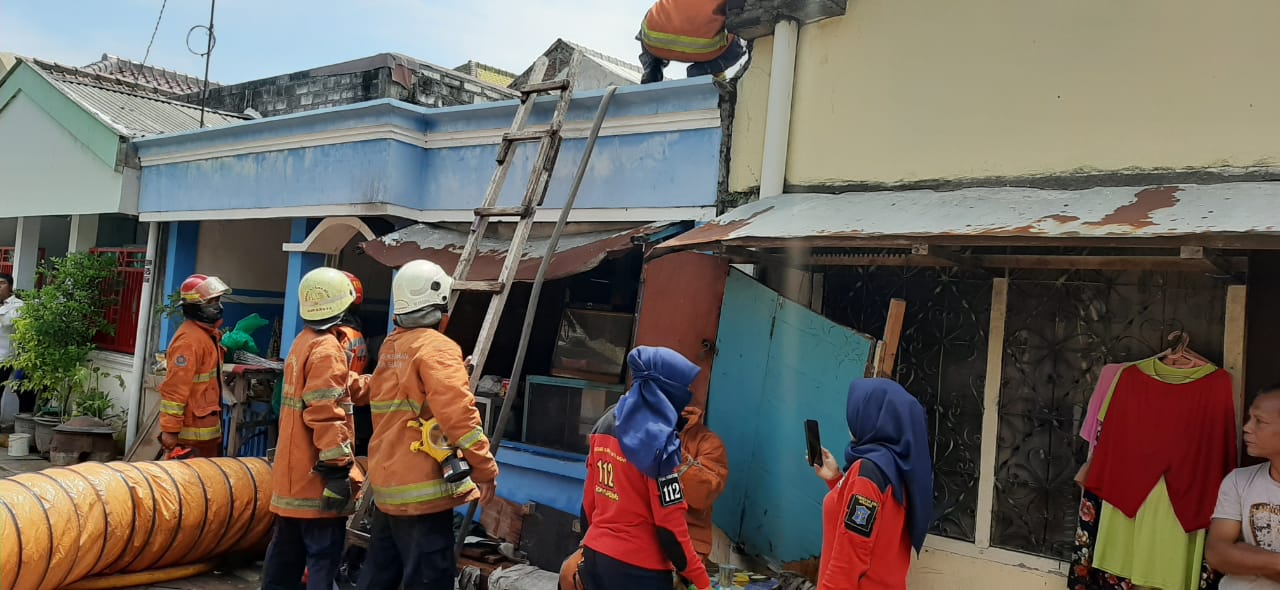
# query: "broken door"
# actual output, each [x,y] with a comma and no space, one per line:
[777,365]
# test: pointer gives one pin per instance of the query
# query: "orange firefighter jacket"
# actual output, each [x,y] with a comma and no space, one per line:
[685,30]
[357,350]
[420,374]
[705,472]
[315,422]
[191,393]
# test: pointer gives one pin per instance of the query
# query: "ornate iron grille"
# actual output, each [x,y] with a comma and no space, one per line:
[942,362]
[1061,327]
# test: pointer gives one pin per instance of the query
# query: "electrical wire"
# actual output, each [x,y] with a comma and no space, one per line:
[154,31]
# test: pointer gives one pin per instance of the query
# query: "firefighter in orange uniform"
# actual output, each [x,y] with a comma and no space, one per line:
[191,394]
[311,476]
[420,375]
[703,474]
[349,330]
[690,31]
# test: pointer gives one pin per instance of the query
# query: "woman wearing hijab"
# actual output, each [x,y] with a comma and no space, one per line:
[881,505]
[633,504]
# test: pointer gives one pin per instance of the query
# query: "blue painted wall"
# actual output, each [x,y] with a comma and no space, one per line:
[777,365]
[181,242]
[659,169]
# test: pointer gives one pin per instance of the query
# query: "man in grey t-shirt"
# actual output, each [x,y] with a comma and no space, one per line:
[1244,539]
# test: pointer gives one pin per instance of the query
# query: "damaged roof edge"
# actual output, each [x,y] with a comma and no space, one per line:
[576,253]
[1006,215]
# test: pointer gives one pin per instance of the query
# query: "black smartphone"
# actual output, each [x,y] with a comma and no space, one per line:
[813,441]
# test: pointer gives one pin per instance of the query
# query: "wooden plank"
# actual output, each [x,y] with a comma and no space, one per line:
[147,446]
[1233,347]
[991,412]
[892,338]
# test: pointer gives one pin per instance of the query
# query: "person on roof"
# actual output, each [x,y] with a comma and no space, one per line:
[420,377]
[311,477]
[881,505]
[688,31]
[191,393]
[634,504]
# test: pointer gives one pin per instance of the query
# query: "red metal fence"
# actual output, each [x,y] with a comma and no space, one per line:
[6,262]
[125,293]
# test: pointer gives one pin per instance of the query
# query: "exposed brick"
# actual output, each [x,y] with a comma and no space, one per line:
[305,99]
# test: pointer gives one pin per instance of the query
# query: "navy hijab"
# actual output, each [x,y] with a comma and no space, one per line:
[888,428]
[648,414]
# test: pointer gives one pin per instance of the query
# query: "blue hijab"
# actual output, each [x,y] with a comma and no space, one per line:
[647,415]
[888,428]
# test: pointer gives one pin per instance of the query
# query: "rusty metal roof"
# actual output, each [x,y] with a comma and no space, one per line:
[576,253]
[1239,211]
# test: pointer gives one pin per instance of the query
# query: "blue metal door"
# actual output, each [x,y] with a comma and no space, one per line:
[777,365]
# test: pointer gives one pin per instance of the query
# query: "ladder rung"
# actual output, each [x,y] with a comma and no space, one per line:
[478,286]
[536,87]
[528,135]
[502,211]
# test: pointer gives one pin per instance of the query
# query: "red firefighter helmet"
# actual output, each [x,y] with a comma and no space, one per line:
[200,288]
[359,288]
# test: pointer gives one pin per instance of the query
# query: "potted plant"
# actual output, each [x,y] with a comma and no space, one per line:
[53,336]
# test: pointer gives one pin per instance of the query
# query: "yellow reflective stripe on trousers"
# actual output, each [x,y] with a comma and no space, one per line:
[682,43]
[291,403]
[395,405]
[205,377]
[192,433]
[415,493]
[173,408]
[321,395]
[471,438]
[338,452]
[295,503]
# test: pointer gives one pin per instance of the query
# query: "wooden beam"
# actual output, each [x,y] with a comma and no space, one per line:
[892,338]
[991,413]
[1234,338]
[1235,242]
[1211,260]
[1030,261]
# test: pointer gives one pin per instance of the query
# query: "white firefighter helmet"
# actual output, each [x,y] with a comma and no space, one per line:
[324,293]
[419,284]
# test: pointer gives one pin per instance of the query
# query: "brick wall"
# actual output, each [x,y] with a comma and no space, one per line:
[751,19]
[315,89]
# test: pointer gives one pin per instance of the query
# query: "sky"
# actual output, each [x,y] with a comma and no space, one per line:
[262,38]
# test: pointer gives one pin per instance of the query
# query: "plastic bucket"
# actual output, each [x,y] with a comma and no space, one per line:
[19,445]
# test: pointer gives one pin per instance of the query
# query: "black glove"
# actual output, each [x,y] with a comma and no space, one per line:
[337,487]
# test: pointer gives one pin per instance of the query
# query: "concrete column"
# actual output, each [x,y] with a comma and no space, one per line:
[300,263]
[26,253]
[181,246]
[84,233]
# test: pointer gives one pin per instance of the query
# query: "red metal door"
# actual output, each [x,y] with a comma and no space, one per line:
[680,309]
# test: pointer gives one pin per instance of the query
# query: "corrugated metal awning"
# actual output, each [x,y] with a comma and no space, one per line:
[576,253]
[1231,215]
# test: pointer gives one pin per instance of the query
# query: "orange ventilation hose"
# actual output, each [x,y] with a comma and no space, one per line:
[140,579]
[61,525]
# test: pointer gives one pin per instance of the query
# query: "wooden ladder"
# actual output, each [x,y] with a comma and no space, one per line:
[536,191]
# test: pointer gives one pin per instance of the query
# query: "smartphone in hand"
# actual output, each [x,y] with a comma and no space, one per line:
[813,442]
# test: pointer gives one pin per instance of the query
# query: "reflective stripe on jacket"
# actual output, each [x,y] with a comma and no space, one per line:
[685,30]
[420,374]
[191,393]
[315,423]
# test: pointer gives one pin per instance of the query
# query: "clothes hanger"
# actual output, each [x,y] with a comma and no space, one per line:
[1180,355]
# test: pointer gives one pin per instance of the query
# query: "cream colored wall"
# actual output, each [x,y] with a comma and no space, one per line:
[906,90]
[245,253]
[938,569]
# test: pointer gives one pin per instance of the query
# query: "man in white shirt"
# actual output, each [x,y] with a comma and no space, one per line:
[9,309]
[1244,539]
